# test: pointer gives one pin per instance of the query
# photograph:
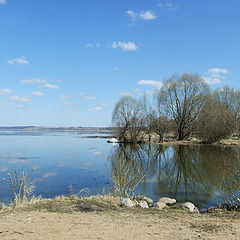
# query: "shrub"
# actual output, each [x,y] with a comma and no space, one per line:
[215,123]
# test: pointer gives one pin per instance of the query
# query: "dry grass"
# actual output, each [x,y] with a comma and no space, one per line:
[101,217]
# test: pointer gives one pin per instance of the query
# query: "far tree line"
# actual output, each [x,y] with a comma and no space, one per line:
[183,108]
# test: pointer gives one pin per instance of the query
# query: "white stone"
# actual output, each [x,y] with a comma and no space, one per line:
[160,205]
[168,201]
[143,204]
[190,206]
[127,202]
[148,200]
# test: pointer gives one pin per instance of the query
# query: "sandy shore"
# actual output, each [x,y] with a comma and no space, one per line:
[75,221]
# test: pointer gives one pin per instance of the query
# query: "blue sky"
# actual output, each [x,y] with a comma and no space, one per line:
[67,62]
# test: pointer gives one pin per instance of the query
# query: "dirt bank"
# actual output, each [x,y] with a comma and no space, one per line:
[93,219]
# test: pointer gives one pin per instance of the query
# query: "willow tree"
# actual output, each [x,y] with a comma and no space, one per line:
[128,118]
[182,99]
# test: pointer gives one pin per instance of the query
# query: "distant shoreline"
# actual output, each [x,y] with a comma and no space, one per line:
[65,129]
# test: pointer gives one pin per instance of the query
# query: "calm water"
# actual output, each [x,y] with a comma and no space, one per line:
[201,174]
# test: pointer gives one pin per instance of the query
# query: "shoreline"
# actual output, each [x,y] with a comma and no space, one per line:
[101,217]
[225,142]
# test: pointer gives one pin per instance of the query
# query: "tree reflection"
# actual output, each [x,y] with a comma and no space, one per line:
[195,173]
[129,165]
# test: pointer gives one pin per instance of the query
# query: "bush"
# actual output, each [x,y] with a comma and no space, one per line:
[215,123]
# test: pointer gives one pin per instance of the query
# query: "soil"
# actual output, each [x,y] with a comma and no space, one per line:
[98,218]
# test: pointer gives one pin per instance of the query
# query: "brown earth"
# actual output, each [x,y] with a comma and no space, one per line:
[98,218]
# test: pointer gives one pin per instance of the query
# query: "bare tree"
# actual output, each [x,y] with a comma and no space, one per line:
[215,123]
[229,97]
[128,118]
[148,116]
[159,122]
[182,99]
[159,125]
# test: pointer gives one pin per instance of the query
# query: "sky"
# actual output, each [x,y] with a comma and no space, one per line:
[67,62]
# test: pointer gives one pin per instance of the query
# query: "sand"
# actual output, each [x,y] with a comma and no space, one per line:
[117,225]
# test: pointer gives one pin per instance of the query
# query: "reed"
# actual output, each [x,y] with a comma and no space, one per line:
[21,186]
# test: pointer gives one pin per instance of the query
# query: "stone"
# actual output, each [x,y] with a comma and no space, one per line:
[148,200]
[190,206]
[213,209]
[168,201]
[160,205]
[143,204]
[140,197]
[127,202]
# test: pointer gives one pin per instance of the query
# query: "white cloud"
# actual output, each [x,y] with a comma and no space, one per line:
[132,14]
[21,61]
[5,91]
[211,80]
[215,75]
[125,46]
[147,15]
[2,2]
[218,71]
[17,98]
[169,6]
[39,94]
[92,45]
[95,109]
[144,15]
[157,84]
[36,80]
[50,86]
[44,83]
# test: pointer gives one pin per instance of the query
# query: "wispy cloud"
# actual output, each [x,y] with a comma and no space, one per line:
[215,75]
[105,104]
[20,61]
[124,94]
[125,46]
[50,86]
[93,45]
[87,97]
[132,14]
[4,91]
[157,84]
[144,15]
[168,6]
[95,109]
[43,83]
[38,94]
[17,98]
[2,2]
[147,15]
[35,80]
[63,97]
[218,71]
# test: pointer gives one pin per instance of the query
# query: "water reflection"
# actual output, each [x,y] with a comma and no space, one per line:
[202,174]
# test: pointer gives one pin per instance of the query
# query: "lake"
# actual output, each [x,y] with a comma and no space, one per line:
[204,175]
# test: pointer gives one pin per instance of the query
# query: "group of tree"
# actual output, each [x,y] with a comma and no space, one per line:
[184,106]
